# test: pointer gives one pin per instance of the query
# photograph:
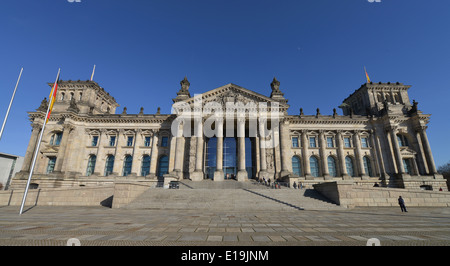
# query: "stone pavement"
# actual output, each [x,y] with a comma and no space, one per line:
[100,226]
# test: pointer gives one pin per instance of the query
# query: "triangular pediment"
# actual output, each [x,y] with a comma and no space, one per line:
[233,93]
[405,151]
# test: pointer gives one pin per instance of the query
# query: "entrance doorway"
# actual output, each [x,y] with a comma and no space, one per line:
[230,157]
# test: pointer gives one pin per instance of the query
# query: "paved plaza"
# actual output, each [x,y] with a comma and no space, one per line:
[101,226]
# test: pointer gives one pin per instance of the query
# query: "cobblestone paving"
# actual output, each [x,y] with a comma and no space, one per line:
[99,226]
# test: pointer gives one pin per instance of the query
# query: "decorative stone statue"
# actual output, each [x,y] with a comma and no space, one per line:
[185,85]
[275,85]
[44,106]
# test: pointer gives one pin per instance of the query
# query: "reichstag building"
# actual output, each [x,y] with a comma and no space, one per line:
[231,133]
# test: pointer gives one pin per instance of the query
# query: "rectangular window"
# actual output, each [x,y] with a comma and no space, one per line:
[312,142]
[295,142]
[51,164]
[147,142]
[330,142]
[364,143]
[129,141]
[164,141]
[407,166]
[94,141]
[347,143]
[112,141]
[56,139]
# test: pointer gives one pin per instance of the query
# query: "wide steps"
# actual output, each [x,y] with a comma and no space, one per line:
[238,199]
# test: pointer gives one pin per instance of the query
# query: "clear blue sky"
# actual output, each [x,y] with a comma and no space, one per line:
[316,48]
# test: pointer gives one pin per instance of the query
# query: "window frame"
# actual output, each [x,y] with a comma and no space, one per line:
[295,142]
[51,164]
[314,139]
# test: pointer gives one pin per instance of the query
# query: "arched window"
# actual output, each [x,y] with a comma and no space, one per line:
[145,169]
[163,167]
[296,166]
[127,165]
[332,166]
[91,165]
[349,166]
[314,166]
[367,166]
[109,165]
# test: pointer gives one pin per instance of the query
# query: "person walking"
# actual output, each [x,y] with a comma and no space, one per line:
[401,202]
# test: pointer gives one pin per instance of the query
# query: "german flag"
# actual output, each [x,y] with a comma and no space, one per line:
[52,96]
[367,75]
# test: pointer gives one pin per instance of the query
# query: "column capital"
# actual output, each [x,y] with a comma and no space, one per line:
[420,128]
[392,128]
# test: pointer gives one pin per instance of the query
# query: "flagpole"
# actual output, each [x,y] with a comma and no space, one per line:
[10,103]
[37,149]
[92,76]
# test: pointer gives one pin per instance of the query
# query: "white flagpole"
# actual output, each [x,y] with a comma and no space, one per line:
[92,76]
[37,148]
[10,103]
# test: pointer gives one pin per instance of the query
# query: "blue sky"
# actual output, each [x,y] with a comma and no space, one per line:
[316,48]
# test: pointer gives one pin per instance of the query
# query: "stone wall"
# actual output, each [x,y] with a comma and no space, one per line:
[125,192]
[350,195]
[81,196]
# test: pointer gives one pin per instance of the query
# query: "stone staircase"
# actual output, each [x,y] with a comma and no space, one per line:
[231,196]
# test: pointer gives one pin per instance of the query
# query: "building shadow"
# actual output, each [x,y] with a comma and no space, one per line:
[276,200]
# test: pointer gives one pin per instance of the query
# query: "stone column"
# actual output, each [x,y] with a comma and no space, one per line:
[262,150]
[276,148]
[197,175]
[154,154]
[422,157]
[285,147]
[341,155]
[359,160]
[242,174]
[31,147]
[62,147]
[257,155]
[398,156]
[218,174]
[379,167]
[427,149]
[305,145]
[323,156]
[179,150]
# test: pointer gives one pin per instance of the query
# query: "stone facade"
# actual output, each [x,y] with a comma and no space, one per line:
[381,137]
